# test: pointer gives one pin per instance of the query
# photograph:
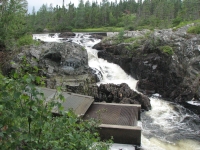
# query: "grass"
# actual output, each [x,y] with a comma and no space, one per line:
[102,29]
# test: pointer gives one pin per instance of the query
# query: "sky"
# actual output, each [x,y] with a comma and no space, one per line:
[38,3]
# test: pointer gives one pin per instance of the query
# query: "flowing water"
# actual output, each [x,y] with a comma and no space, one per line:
[168,126]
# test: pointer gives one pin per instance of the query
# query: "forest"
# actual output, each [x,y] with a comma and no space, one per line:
[16,22]
[130,14]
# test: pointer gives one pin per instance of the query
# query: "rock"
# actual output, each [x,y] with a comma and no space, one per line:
[174,76]
[63,64]
[66,34]
[119,94]
[46,30]
[35,53]
[50,69]
[66,58]
[98,35]
[98,46]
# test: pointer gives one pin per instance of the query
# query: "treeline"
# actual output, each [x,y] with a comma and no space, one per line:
[130,14]
[15,22]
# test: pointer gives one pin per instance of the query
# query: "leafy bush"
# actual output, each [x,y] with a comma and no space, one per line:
[132,39]
[194,29]
[167,49]
[26,40]
[120,36]
[39,29]
[131,28]
[26,121]
[176,21]
[184,23]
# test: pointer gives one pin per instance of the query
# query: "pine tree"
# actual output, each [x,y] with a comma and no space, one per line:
[12,21]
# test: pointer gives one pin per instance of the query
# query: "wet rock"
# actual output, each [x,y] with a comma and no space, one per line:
[174,76]
[121,93]
[98,46]
[66,34]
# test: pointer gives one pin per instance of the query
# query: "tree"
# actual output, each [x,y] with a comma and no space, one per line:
[12,21]
[80,13]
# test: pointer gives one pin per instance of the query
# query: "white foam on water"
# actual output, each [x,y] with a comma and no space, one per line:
[47,37]
[196,103]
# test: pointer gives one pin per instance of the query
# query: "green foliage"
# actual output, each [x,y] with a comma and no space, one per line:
[184,23]
[167,49]
[12,22]
[128,14]
[25,40]
[103,29]
[194,29]
[120,36]
[26,120]
[177,21]
[133,47]
[154,42]
[132,39]
[39,29]
[131,27]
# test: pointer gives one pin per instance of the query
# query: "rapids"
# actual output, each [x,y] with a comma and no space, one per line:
[168,126]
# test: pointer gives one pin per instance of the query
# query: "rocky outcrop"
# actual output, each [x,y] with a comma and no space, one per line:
[112,93]
[64,58]
[174,74]
[61,63]
[121,94]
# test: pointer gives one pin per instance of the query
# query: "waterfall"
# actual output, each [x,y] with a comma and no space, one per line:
[168,126]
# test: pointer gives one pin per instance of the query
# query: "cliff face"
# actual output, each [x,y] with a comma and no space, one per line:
[165,62]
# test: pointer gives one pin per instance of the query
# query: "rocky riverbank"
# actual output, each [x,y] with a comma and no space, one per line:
[66,64]
[164,61]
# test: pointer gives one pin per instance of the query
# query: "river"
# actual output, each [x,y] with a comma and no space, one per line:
[167,126]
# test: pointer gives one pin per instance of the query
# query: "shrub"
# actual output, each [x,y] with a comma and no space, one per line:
[120,36]
[131,28]
[177,21]
[39,29]
[167,49]
[194,29]
[26,40]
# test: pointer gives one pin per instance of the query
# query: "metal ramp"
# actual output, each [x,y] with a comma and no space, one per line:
[118,121]
[79,103]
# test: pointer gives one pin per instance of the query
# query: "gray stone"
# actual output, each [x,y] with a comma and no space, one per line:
[35,53]
[50,69]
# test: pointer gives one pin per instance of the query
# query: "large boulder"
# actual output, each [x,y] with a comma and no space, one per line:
[64,58]
[63,64]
